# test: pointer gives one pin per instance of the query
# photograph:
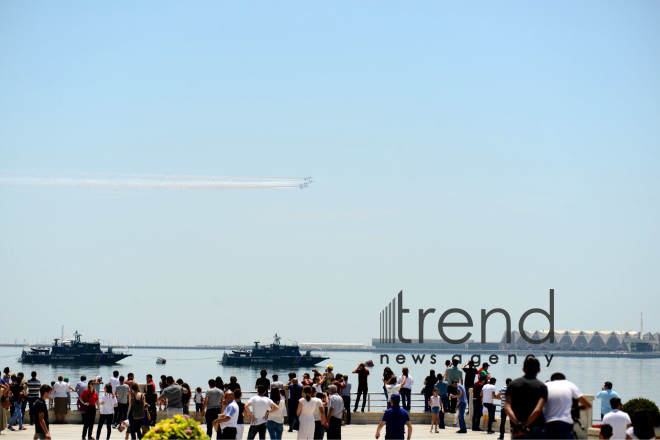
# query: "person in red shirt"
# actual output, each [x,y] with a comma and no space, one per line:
[88,400]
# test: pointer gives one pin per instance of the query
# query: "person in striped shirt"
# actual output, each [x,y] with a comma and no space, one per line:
[502,395]
[33,386]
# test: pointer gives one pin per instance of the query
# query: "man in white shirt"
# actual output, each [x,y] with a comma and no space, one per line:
[488,396]
[557,409]
[114,381]
[258,408]
[617,419]
[228,420]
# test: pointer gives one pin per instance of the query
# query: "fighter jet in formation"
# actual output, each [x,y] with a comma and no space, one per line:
[306,182]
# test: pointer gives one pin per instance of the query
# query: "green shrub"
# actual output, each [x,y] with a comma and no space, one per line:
[640,403]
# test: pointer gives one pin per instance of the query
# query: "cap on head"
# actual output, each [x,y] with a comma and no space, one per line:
[486,364]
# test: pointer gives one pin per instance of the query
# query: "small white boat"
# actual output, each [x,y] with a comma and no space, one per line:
[161,361]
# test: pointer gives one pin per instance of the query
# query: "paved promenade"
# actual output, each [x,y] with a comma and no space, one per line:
[73,432]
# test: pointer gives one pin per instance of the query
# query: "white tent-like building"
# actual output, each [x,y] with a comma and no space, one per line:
[585,341]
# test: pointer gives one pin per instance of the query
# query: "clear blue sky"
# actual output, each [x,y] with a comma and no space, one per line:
[470,154]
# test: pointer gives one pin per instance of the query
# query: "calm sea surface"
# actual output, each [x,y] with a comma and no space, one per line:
[631,377]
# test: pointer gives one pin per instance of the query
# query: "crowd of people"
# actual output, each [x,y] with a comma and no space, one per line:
[316,405]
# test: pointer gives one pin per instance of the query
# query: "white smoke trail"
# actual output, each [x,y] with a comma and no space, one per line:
[148,181]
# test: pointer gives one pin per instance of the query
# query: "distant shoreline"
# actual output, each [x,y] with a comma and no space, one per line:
[376,350]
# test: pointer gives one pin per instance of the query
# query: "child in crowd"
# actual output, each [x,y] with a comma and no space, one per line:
[125,426]
[199,404]
[146,421]
[436,410]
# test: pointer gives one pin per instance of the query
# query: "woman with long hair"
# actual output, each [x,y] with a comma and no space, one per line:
[152,400]
[136,411]
[641,428]
[406,388]
[275,422]
[429,382]
[88,399]
[388,378]
[306,407]
[107,404]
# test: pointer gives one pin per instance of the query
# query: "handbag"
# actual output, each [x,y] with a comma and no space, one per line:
[81,406]
[5,403]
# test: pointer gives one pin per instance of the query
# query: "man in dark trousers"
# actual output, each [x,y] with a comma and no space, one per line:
[477,405]
[295,394]
[525,398]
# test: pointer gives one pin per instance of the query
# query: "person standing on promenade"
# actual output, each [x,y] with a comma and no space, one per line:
[442,386]
[462,399]
[89,398]
[557,409]
[121,393]
[17,398]
[363,386]
[107,404]
[295,394]
[641,428]
[606,432]
[275,422]
[59,394]
[525,398]
[81,386]
[429,382]
[150,380]
[228,420]
[483,372]
[502,411]
[477,404]
[606,395]
[276,383]
[488,396]
[335,413]
[173,396]
[151,399]
[395,420]
[452,374]
[41,426]
[240,423]
[406,383]
[619,420]
[263,380]
[114,381]
[388,379]
[257,409]
[136,411]
[436,411]
[308,406]
[4,397]
[346,396]
[33,386]
[212,405]
[470,373]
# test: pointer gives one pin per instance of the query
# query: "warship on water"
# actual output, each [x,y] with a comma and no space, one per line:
[72,352]
[274,354]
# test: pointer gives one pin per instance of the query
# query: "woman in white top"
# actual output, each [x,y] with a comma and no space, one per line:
[406,388]
[275,423]
[307,405]
[107,404]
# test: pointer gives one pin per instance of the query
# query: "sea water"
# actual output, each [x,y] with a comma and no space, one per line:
[631,377]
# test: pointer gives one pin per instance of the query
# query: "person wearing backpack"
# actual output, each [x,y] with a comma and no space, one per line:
[136,411]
